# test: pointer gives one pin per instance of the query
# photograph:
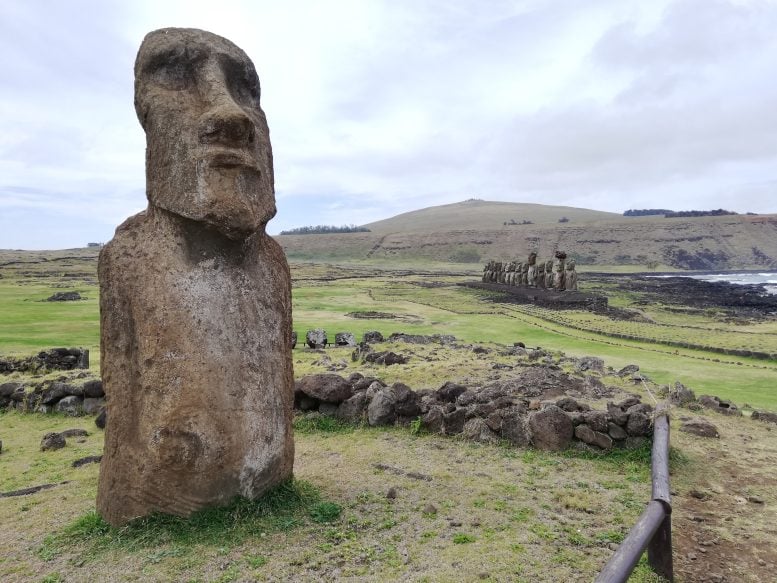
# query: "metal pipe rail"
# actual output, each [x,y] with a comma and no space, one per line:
[653,529]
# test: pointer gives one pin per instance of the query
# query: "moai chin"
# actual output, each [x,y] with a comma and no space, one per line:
[195,306]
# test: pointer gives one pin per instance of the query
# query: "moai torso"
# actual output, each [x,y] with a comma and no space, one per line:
[559,277]
[195,305]
[549,274]
[571,276]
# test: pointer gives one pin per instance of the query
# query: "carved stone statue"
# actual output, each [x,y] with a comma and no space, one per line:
[540,278]
[531,274]
[571,276]
[510,277]
[195,305]
[525,274]
[559,278]
[549,274]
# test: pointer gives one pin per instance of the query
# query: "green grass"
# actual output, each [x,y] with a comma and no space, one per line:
[282,508]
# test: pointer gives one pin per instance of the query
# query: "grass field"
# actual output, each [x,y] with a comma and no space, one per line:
[486,512]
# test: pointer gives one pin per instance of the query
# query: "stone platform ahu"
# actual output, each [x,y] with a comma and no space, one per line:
[195,306]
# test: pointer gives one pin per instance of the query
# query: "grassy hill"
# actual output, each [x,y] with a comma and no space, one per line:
[481,215]
[475,231]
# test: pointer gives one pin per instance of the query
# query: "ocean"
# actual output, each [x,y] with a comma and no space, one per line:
[768,279]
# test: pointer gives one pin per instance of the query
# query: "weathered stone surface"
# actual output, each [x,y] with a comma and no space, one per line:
[587,435]
[327,387]
[386,357]
[639,423]
[93,406]
[449,392]
[93,389]
[407,402]
[195,297]
[551,428]
[719,405]
[372,337]
[52,441]
[476,429]
[627,370]
[68,296]
[353,409]
[700,427]
[53,393]
[316,338]
[765,416]
[70,405]
[681,395]
[432,420]
[74,432]
[453,422]
[381,409]
[514,428]
[596,420]
[616,431]
[590,363]
[345,339]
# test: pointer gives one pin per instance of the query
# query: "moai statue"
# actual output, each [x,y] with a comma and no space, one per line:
[502,268]
[571,276]
[510,277]
[531,274]
[541,275]
[517,277]
[525,274]
[195,297]
[559,278]
[549,274]
[485,272]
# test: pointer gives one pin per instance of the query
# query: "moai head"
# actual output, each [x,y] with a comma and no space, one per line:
[532,258]
[571,265]
[208,155]
[549,265]
[541,267]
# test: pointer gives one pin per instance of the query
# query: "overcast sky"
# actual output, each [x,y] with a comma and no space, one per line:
[380,107]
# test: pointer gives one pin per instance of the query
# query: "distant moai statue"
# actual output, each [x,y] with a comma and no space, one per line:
[525,274]
[195,297]
[502,272]
[549,274]
[531,274]
[486,271]
[571,276]
[510,277]
[540,278]
[559,277]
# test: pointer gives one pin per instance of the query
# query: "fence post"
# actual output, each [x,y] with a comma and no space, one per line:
[660,546]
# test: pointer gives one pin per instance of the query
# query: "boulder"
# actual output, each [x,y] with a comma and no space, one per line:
[70,405]
[590,363]
[700,427]
[765,416]
[345,339]
[75,432]
[449,392]
[68,296]
[514,428]
[569,405]
[100,419]
[316,338]
[453,422]
[372,337]
[680,395]
[8,389]
[719,405]
[386,357]
[597,420]
[551,429]
[407,403]
[381,408]
[476,429]
[353,409]
[53,393]
[326,387]
[293,340]
[93,406]
[52,441]
[466,398]
[627,370]
[587,435]
[364,383]
[93,389]
[616,432]
[639,423]
[617,414]
[432,421]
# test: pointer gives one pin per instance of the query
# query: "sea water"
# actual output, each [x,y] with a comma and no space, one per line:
[767,278]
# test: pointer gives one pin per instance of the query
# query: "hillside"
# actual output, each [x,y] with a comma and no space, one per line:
[481,215]
[474,232]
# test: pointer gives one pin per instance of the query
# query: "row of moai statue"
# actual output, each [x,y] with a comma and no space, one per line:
[556,274]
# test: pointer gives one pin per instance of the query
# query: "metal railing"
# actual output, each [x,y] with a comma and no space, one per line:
[653,529]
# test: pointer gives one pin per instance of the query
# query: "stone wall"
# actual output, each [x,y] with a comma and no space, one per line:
[54,359]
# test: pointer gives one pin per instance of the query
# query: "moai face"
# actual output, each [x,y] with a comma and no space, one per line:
[208,155]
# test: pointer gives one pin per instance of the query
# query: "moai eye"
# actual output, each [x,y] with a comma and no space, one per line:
[175,69]
[242,82]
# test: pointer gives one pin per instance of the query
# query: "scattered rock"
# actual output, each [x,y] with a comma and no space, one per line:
[70,405]
[353,409]
[453,422]
[345,339]
[551,429]
[590,363]
[372,337]
[680,395]
[432,421]
[316,338]
[700,427]
[93,389]
[69,296]
[627,370]
[639,423]
[391,494]
[76,432]
[719,405]
[587,435]
[326,387]
[429,509]
[100,419]
[476,429]
[93,406]
[765,416]
[616,431]
[293,340]
[52,441]
[386,357]
[381,409]
[90,459]
[514,428]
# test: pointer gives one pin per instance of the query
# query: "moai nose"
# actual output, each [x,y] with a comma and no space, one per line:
[226,125]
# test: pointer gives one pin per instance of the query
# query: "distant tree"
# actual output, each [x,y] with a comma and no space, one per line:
[645,212]
[714,213]
[325,230]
